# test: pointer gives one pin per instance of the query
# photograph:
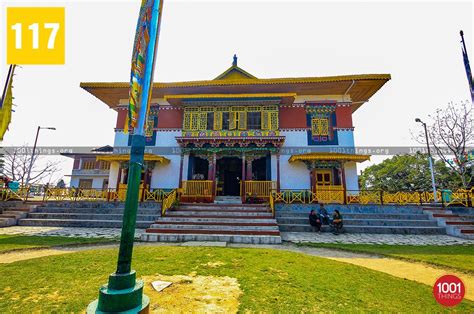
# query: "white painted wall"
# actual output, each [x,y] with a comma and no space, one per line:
[97,183]
[167,138]
[350,169]
[121,139]
[274,168]
[113,174]
[300,139]
[185,167]
[294,175]
[74,182]
[166,175]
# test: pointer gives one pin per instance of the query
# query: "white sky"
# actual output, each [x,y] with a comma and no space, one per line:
[417,43]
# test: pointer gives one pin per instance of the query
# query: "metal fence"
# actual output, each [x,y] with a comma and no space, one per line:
[332,195]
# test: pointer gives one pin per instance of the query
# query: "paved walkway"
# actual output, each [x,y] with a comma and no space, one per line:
[366,238]
[294,237]
[108,233]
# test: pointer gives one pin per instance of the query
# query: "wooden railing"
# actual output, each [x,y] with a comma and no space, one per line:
[330,194]
[335,194]
[259,189]
[168,201]
[198,188]
[271,203]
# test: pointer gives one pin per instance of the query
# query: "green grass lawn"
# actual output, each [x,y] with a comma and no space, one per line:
[19,242]
[459,257]
[271,281]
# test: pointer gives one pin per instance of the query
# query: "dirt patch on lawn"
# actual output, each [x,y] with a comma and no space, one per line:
[15,256]
[413,271]
[194,294]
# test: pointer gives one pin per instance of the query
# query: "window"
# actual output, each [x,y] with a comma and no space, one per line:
[225,120]
[320,126]
[104,165]
[88,164]
[210,120]
[231,118]
[254,120]
[85,183]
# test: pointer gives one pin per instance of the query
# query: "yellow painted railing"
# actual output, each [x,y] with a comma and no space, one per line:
[335,194]
[168,201]
[461,197]
[271,203]
[198,188]
[330,194]
[260,189]
[9,195]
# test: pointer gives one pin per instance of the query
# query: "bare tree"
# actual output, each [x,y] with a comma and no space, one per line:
[17,162]
[451,133]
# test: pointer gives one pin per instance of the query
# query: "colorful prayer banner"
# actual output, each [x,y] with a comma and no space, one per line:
[143,61]
[6,103]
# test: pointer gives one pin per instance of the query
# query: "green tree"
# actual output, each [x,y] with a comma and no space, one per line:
[408,173]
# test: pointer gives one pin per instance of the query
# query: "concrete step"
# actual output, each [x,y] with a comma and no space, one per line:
[222,207]
[369,229]
[15,213]
[248,239]
[460,223]
[218,213]
[222,216]
[7,222]
[212,231]
[219,228]
[368,222]
[87,210]
[218,220]
[290,215]
[228,210]
[345,209]
[72,216]
[79,223]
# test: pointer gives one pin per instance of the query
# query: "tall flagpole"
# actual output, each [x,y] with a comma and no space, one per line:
[123,292]
[467,66]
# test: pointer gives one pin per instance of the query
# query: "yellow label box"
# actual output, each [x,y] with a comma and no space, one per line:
[35,35]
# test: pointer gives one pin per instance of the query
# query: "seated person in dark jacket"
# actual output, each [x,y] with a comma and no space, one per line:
[315,221]
[323,214]
[337,222]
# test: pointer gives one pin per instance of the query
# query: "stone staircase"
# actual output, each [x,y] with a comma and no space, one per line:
[363,219]
[88,215]
[458,221]
[11,212]
[239,223]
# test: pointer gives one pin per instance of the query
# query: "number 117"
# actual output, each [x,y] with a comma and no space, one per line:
[34,28]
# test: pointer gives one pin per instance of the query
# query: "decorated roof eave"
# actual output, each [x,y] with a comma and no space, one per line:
[286,98]
[329,156]
[126,157]
[112,93]
[295,80]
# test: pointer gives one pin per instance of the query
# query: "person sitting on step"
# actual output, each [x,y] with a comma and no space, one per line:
[315,221]
[323,214]
[336,222]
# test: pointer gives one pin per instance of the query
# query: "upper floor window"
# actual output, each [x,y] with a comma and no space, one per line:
[320,126]
[254,120]
[231,118]
[88,164]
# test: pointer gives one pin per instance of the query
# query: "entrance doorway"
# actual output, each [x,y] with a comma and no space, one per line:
[323,177]
[229,175]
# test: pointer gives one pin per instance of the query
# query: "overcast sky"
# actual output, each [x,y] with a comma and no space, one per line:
[417,43]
